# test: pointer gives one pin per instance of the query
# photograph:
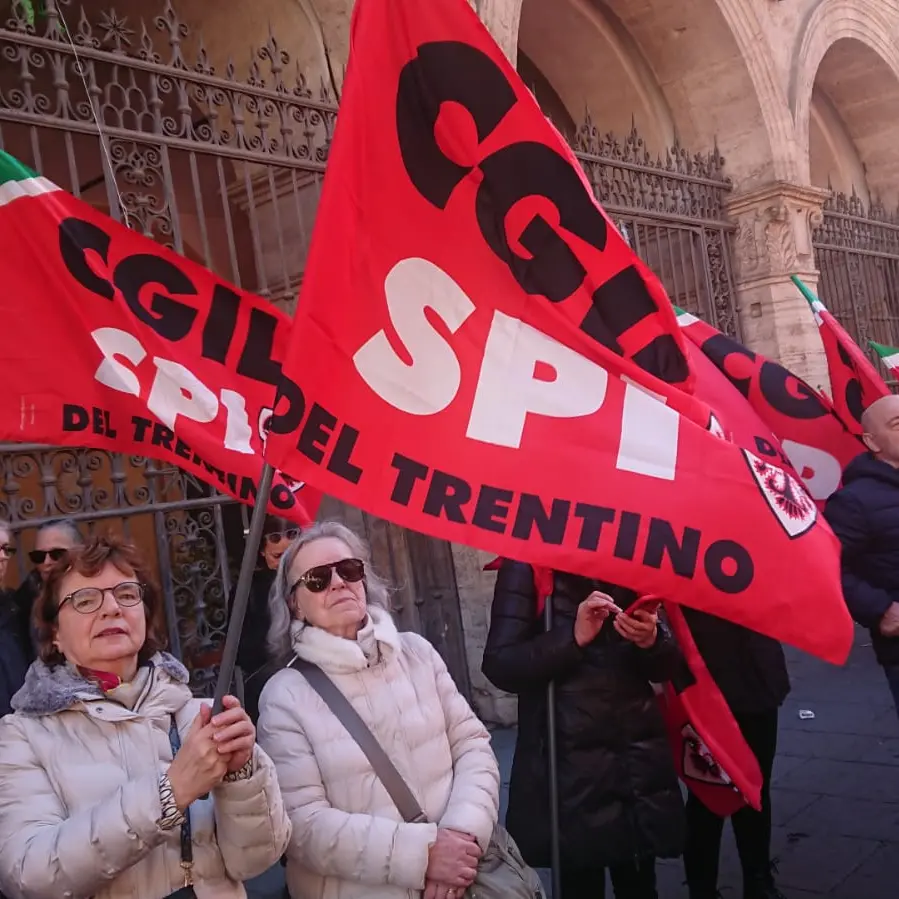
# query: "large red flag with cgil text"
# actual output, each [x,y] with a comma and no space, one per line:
[113,341]
[808,433]
[854,381]
[470,352]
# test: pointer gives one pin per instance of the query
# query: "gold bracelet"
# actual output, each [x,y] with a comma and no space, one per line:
[243,773]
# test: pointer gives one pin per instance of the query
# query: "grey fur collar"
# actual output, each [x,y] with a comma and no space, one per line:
[49,690]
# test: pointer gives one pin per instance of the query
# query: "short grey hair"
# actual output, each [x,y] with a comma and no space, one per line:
[377,591]
[63,524]
[6,526]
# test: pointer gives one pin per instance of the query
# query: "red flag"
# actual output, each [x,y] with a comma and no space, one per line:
[854,381]
[710,752]
[115,342]
[812,436]
[454,367]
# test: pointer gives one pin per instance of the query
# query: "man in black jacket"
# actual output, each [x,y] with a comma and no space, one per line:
[15,645]
[864,514]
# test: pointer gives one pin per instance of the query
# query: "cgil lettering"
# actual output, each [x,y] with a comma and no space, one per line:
[551,268]
[162,297]
[727,564]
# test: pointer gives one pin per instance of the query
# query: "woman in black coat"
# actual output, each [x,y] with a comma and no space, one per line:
[252,652]
[620,805]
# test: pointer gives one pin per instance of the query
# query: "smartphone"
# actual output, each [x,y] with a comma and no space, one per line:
[649,602]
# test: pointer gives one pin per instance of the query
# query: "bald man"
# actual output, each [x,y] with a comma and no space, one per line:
[864,514]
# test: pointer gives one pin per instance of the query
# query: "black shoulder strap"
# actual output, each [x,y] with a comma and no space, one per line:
[345,713]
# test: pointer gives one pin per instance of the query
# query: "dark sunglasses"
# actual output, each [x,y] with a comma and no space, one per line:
[37,556]
[7,549]
[318,579]
[277,536]
[89,599]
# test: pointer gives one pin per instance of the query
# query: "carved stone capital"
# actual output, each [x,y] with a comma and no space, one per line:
[774,230]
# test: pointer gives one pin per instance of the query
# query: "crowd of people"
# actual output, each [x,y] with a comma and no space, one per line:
[116,782]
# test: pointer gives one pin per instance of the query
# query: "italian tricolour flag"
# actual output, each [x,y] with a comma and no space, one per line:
[888,355]
[17,180]
[854,381]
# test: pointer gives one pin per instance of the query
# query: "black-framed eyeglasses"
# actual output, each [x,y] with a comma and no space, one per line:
[37,556]
[318,579]
[276,537]
[7,549]
[89,599]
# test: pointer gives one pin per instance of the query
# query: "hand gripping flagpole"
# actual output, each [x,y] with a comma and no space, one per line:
[244,581]
[554,850]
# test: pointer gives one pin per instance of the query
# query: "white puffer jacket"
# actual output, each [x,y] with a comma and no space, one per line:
[79,796]
[348,838]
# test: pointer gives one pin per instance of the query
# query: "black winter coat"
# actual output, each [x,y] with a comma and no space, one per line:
[749,668]
[618,791]
[252,655]
[864,514]
[15,648]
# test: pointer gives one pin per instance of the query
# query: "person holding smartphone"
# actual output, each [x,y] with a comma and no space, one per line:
[620,804]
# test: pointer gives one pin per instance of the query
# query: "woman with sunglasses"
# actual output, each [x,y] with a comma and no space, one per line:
[114,780]
[15,645]
[349,840]
[252,655]
[52,540]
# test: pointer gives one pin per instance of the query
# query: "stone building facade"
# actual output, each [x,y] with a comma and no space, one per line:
[736,142]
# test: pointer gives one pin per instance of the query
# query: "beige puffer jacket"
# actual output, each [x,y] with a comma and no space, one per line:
[348,837]
[79,797]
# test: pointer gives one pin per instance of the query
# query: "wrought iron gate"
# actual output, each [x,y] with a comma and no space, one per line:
[671,211]
[857,253]
[222,160]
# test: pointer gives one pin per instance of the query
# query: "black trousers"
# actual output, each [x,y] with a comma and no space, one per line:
[634,880]
[752,829]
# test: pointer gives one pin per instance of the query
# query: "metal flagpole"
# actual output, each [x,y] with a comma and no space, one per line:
[242,594]
[555,853]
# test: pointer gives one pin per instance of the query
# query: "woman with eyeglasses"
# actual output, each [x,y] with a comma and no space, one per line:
[15,646]
[252,654]
[349,840]
[114,780]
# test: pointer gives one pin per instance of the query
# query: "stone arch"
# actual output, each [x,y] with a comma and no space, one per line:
[834,160]
[691,50]
[580,47]
[547,96]
[845,53]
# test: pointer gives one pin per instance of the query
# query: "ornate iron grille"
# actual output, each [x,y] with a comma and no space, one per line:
[857,253]
[219,159]
[671,211]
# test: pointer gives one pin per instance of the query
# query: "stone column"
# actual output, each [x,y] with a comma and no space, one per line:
[501,18]
[774,241]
